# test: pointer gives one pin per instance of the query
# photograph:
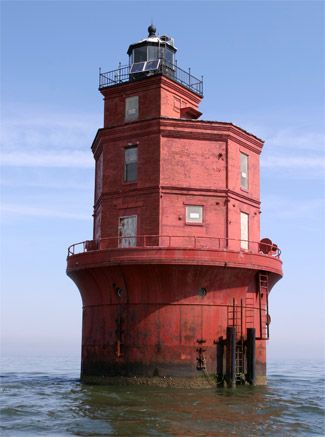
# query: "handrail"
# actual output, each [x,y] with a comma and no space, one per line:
[176,241]
[123,74]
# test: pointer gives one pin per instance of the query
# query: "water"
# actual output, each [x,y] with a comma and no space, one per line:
[44,397]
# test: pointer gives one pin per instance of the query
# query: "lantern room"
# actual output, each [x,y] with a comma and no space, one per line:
[147,54]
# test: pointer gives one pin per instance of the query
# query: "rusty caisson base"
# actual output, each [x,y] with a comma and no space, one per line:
[177,382]
[159,324]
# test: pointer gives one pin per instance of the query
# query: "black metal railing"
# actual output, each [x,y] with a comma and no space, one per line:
[177,241]
[123,74]
[114,77]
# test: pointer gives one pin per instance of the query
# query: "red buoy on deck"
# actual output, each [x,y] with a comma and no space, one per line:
[176,256]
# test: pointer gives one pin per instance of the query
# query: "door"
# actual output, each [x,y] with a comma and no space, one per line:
[128,231]
[244,231]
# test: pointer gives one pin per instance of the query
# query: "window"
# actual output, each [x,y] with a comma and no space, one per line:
[140,54]
[131,164]
[131,108]
[152,53]
[244,230]
[165,53]
[169,56]
[194,214]
[128,231]
[244,171]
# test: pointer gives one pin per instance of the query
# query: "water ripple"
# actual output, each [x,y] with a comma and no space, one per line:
[53,402]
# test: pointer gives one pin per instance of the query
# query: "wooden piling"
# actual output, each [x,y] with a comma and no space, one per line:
[231,356]
[251,356]
[220,349]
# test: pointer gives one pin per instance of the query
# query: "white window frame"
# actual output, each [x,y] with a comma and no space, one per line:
[194,217]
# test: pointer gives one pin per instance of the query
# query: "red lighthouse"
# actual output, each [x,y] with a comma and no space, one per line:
[175,281]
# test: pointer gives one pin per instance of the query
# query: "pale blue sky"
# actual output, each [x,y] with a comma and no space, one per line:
[263,64]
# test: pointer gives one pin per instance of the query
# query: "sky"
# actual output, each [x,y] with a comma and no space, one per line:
[263,67]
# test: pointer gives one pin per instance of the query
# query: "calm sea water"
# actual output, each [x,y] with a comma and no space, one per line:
[44,397]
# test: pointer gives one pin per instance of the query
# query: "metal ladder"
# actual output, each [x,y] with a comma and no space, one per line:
[249,311]
[235,319]
[263,291]
[240,362]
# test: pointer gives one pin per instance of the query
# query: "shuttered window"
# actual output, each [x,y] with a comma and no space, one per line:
[244,230]
[131,108]
[128,231]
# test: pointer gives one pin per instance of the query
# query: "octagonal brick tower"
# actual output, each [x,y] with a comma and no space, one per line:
[175,280]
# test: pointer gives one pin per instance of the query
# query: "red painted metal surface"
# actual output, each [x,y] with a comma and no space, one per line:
[159,306]
[173,241]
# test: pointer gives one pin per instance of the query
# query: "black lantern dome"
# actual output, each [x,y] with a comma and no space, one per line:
[153,49]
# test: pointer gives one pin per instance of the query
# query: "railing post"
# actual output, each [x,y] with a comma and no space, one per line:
[119,71]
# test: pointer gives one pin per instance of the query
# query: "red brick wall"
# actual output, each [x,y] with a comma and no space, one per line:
[174,97]
[120,198]
[234,210]
[179,163]
[158,96]
[192,163]
[173,216]
[234,149]
[242,200]
[114,101]
[145,206]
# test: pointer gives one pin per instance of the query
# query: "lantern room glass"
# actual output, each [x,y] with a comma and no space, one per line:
[151,53]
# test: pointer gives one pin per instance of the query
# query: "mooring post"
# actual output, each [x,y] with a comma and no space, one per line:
[251,356]
[231,356]
[220,348]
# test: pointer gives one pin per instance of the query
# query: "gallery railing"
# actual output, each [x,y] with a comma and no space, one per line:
[178,242]
[124,74]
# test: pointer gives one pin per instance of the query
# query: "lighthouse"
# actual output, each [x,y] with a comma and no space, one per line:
[175,280]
